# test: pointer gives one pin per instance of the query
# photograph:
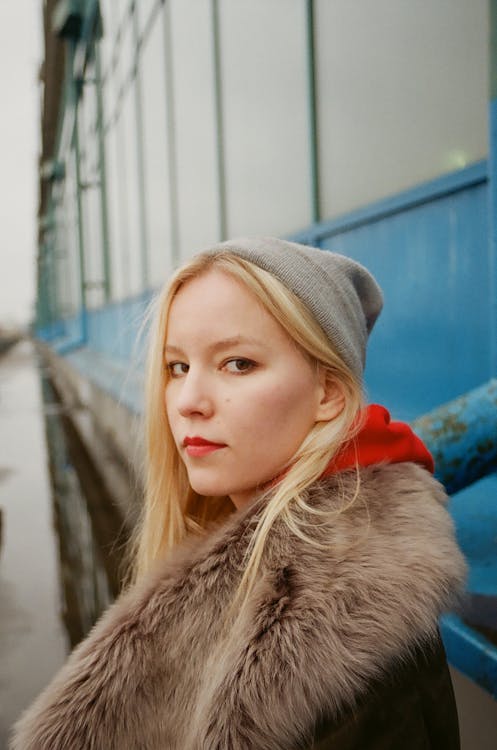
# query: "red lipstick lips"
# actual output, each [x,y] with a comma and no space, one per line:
[198,446]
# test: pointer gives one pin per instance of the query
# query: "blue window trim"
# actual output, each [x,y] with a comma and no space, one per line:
[440,187]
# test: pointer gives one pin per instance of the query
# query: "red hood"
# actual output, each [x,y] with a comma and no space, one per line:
[381,440]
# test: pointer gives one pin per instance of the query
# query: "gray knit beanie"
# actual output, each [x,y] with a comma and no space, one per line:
[341,294]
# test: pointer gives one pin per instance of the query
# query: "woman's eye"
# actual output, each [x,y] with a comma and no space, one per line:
[239,365]
[177,368]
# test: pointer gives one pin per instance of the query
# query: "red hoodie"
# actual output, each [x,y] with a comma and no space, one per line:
[381,440]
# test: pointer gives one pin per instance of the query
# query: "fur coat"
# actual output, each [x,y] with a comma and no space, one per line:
[328,630]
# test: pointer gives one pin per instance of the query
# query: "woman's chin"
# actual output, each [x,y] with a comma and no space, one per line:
[209,488]
[216,488]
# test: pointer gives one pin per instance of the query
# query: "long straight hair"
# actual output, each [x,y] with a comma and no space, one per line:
[171,509]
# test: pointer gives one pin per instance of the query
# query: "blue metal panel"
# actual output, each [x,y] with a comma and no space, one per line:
[74,328]
[475,515]
[114,330]
[492,192]
[51,332]
[123,381]
[473,654]
[431,342]
[64,334]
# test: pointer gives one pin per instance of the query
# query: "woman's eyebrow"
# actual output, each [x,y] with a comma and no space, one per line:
[233,341]
[218,345]
[171,349]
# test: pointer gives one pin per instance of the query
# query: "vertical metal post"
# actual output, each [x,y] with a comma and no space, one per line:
[79,202]
[122,182]
[171,139]
[104,210]
[218,113]
[52,263]
[140,155]
[48,268]
[43,313]
[313,123]
[492,177]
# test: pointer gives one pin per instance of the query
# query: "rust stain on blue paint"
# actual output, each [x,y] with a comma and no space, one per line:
[462,436]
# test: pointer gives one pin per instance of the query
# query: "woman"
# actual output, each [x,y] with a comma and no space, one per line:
[294,553]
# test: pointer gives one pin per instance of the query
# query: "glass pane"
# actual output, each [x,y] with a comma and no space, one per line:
[124,212]
[67,241]
[157,195]
[126,51]
[110,28]
[128,185]
[402,94]
[144,10]
[117,227]
[191,50]
[90,192]
[264,77]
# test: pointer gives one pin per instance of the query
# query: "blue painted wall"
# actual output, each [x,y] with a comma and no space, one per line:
[116,329]
[433,262]
[432,340]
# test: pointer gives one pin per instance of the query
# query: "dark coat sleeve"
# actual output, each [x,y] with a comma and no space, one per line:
[412,708]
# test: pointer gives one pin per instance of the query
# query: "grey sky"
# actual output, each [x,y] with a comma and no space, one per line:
[20,56]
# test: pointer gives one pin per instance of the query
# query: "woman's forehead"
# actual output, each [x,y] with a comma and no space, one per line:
[211,292]
[215,307]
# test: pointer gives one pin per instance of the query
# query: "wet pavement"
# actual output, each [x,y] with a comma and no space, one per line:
[53,580]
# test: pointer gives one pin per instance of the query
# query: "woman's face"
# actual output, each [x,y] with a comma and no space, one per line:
[240,396]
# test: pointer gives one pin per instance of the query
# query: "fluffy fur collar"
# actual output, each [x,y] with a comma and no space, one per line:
[160,671]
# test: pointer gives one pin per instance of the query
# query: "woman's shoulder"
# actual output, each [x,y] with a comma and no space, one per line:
[385,528]
[383,487]
[375,573]
[398,709]
[352,586]
[387,509]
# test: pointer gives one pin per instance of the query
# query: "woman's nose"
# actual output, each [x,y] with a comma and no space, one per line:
[194,396]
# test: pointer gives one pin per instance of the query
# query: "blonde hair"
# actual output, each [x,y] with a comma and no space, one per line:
[172,510]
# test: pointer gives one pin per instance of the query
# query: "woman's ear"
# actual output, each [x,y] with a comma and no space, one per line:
[331,398]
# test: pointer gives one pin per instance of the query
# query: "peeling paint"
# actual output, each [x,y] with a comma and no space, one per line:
[462,437]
